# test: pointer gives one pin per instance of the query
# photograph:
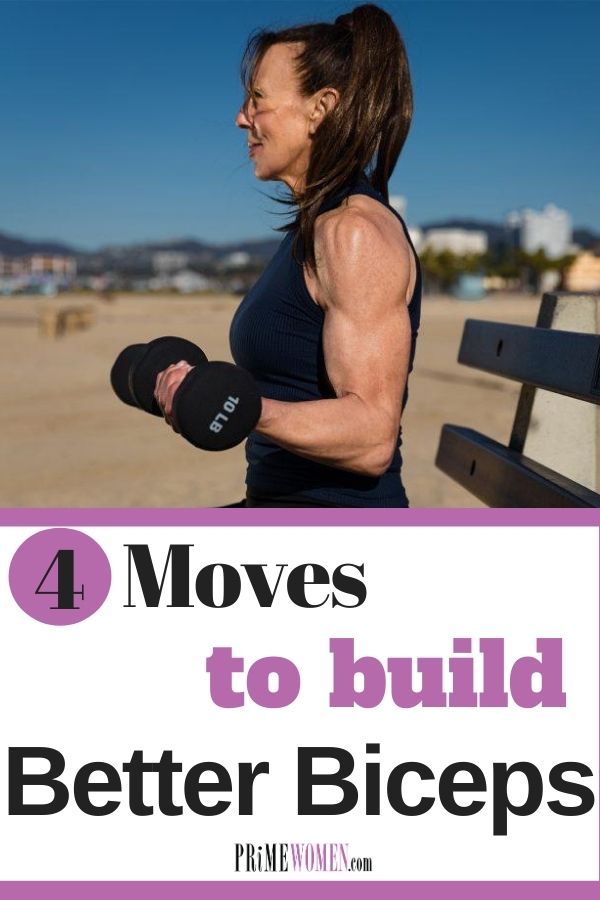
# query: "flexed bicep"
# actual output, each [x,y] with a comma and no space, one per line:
[367,330]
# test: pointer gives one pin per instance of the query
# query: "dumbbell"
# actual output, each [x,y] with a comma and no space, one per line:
[216,405]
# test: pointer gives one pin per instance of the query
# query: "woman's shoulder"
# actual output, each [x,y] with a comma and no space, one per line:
[361,221]
[360,237]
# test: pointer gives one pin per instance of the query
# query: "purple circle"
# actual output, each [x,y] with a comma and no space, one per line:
[59,576]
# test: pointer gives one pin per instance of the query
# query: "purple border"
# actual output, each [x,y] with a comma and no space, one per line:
[297,890]
[312,517]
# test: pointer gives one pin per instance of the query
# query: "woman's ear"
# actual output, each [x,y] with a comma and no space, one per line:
[324,102]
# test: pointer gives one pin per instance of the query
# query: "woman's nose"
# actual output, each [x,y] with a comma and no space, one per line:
[242,120]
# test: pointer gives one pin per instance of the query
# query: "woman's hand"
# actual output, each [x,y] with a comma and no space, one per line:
[167,383]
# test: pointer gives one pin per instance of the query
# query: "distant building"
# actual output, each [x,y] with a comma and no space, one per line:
[550,230]
[169,261]
[584,273]
[38,265]
[236,260]
[416,236]
[36,274]
[399,204]
[7,267]
[460,241]
[498,283]
[188,282]
[42,264]
[469,286]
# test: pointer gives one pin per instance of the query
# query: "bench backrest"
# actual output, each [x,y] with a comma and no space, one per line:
[552,362]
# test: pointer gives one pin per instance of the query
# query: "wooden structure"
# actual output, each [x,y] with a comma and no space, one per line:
[55,321]
[553,456]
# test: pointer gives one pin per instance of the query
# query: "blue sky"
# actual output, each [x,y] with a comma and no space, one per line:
[117,115]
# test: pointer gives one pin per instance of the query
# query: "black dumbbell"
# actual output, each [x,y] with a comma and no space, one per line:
[133,376]
[216,405]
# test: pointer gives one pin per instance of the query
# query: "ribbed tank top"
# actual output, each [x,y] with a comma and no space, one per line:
[276,334]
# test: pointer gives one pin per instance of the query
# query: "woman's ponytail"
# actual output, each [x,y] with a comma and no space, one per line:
[379,92]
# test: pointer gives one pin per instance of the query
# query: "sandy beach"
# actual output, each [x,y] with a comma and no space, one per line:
[68,441]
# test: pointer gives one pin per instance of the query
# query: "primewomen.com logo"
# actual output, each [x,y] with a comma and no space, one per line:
[296,857]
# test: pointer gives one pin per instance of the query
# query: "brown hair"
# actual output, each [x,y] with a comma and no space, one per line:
[363,56]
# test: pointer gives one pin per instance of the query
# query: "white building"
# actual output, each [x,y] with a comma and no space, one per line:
[188,282]
[236,260]
[169,261]
[549,230]
[399,204]
[416,236]
[185,281]
[456,240]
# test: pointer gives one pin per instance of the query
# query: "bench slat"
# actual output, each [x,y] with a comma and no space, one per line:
[561,361]
[500,477]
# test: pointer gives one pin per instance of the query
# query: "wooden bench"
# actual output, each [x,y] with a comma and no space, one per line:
[550,432]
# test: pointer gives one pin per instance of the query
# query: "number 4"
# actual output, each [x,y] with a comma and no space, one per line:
[66,592]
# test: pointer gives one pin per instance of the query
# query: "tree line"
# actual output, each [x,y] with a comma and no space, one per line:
[442,268]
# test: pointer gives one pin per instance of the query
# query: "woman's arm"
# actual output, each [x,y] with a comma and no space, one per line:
[362,283]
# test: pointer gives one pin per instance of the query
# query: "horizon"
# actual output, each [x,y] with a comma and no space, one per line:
[183,238]
[122,125]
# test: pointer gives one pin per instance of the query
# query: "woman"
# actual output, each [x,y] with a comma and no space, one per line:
[329,329]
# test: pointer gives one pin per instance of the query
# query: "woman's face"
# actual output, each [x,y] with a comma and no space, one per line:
[279,121]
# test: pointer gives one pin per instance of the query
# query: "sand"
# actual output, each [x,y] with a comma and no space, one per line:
[68,441]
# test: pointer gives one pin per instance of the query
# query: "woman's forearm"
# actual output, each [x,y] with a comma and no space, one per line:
[344,432]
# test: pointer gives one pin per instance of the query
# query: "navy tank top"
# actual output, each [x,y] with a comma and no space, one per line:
[276,334]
